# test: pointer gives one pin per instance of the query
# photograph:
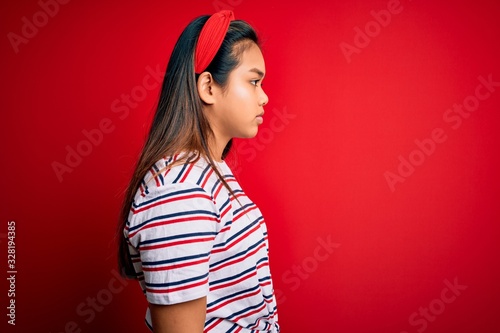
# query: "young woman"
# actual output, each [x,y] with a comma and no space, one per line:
[194,240]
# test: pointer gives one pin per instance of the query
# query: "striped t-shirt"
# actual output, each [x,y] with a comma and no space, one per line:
[189,238]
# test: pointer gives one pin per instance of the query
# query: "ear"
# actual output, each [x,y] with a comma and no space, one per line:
[206,88]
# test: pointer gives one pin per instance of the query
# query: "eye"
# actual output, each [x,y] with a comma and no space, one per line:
[255,82]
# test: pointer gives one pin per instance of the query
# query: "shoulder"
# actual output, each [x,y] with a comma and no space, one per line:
[170,192]
[167,179]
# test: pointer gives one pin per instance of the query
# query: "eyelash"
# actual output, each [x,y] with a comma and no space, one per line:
[254,82]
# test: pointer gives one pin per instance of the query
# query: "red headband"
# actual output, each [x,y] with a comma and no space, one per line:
[211,36]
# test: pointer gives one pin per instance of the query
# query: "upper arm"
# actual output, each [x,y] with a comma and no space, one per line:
[173,231]
[186,317]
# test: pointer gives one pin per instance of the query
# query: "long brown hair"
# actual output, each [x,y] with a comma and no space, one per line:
[179,124]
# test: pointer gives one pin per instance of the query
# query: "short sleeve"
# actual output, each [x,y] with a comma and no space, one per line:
[172,230]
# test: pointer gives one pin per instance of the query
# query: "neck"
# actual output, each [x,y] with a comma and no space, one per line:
[217,146]
[218,140]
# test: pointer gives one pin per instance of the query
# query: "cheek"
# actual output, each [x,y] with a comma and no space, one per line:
[240,92]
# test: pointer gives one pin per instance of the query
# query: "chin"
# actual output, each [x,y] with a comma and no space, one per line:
[253,134]
[249,134]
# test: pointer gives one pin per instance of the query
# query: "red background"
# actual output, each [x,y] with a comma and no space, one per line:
[318,175]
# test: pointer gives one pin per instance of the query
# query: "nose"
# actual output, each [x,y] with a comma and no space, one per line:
[263,98]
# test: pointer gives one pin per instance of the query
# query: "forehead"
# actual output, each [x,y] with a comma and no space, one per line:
[251,58]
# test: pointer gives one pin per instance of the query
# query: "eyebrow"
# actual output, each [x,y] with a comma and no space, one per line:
[258,71]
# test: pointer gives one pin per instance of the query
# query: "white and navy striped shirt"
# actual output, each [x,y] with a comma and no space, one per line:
[189,238]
